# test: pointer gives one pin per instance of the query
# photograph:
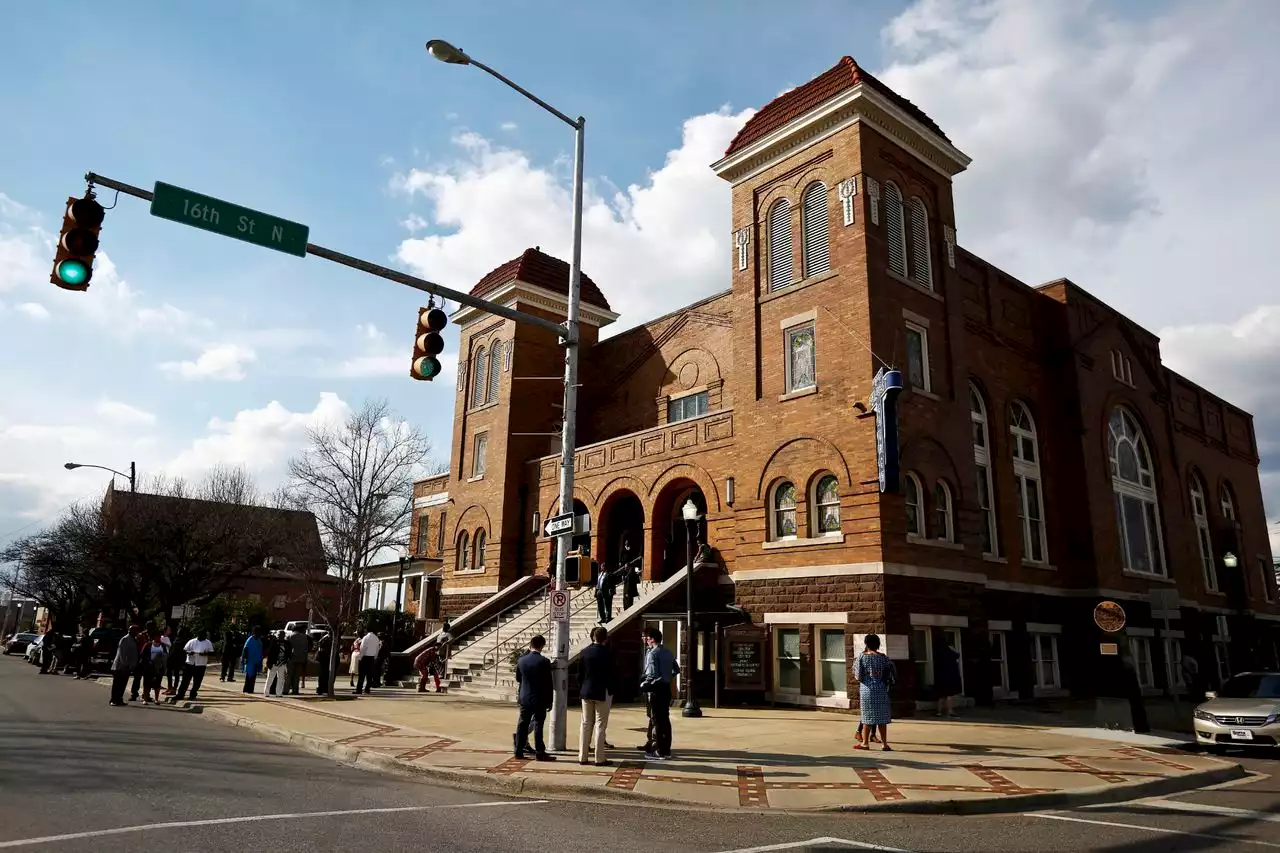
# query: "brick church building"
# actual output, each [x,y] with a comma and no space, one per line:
[1048,460]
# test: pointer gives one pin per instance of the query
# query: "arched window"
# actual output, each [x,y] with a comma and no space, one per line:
[921,263]
[1134,482]
[783,508]
[915,515]
[943,527]
[495,373]
[479,379]
[815,230]
[478,556]
[781,264]
[1228,503]
[1026,475]
[1200,515]
[982,466]
[895,233]
[826,506]
[464,553]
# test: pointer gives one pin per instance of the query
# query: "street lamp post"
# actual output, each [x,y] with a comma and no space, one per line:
[446,52]
[395,619]
[132,476]
[691,519]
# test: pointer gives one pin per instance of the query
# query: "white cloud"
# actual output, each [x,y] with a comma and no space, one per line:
[123,413]
[262,439]
[34,310]
[509,126]
[414,223]
[377,355]
[649,248]
[221,362]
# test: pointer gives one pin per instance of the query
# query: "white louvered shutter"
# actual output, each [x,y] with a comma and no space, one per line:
[495,371]
[480,376]
[921,267]
[815,223]
[895,233]
[781,266]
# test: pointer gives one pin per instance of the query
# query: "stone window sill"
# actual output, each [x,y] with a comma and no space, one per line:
[804,543]
[927,291]
[484,406]
[995,558]
[935,543]
[921,392]
[1040,564]
[796,285]
[477,478]
[794,395]
[1149,576]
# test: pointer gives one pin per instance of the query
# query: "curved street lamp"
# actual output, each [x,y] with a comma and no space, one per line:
[132,476]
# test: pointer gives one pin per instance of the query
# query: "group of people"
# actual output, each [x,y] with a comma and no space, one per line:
[283,657]
[598,681]
[606,584]
[145,657]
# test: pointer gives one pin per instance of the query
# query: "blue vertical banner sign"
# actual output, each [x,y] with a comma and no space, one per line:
[885,388]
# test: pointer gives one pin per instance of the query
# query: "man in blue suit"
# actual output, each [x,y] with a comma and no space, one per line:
[533,674]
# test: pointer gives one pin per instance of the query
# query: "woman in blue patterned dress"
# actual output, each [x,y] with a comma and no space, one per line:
[875,674]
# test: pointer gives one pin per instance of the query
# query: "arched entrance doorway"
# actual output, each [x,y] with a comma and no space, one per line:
[671,531]
[621,530]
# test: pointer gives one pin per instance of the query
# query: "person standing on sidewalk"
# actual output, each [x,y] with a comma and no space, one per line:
[231,646]
[876,676]
[660,668]
[122,667]
[142,671]
[299,646]
[597,683]
[947,681]
[278,654]
[197,651]
[157,663]
[323,650]
[171,671]
[368,650]
[533,674]
[253,655]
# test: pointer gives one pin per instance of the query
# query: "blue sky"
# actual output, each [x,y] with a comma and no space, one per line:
[191,348]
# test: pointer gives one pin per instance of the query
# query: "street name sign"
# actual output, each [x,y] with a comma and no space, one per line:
[559,524]
[229,220]
[559,605]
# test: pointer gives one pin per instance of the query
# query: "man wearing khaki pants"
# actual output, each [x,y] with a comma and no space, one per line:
[597,677]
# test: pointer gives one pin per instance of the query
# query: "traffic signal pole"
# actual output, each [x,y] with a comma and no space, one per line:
[378,270]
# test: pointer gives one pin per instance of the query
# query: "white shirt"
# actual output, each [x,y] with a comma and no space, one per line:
[198,652]
[370,645]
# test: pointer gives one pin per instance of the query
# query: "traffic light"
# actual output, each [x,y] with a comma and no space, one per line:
[77,244]
[428,344]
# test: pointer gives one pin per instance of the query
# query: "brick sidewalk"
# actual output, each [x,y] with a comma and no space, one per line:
[737,758]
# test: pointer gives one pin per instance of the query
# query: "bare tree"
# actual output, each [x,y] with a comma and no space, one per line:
[357,478]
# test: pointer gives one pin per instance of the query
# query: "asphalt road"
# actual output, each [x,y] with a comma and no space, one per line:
[77,775]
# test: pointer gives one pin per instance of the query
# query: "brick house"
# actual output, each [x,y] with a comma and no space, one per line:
[1048,459]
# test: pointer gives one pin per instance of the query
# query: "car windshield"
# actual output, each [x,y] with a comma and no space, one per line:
[26,637]
[1252,685]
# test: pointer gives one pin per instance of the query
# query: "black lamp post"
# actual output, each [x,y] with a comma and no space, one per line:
[691,519]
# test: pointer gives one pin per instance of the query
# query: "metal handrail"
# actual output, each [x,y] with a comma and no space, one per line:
[491,658]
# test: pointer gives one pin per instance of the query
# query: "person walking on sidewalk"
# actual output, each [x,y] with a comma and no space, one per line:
[252,655]
[533,674]
[660,668]
[157,663]
[368,650]
[278,654]
[597,683]
[876,676]
[232,643]
[122,667]
[197,650]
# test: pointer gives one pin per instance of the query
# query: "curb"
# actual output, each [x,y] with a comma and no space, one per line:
[482,782]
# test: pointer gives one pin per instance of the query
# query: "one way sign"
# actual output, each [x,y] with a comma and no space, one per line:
[559,524]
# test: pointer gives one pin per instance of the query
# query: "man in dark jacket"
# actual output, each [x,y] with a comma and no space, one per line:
[232,643]
[597,679]
[122,667]
[533,674]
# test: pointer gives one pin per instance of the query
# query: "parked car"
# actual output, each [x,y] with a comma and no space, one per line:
[1245,711]
[314,632]
[102,648]
[32,654]
[18,643]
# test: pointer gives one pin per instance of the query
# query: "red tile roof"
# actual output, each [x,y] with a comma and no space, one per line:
[541,270]
[845,75]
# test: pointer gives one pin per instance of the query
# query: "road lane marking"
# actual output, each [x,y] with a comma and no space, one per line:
[219,821]
[1157,829]
[1204,808]
[799,845]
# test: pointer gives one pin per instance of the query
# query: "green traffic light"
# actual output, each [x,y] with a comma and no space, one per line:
[427,367]
[72,272]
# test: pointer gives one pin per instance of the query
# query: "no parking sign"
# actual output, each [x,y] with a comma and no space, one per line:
[559,605]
